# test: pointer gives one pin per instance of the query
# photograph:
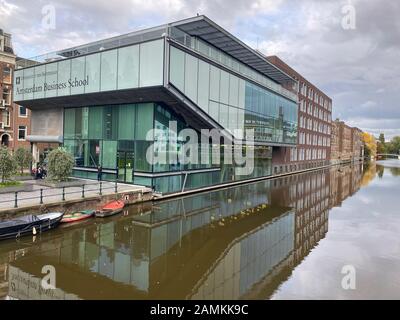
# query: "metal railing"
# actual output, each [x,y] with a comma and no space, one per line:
[84,189]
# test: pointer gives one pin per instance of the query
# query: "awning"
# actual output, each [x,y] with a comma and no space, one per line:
[45,139]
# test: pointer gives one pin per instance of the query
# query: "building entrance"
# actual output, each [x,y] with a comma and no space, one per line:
[125,166]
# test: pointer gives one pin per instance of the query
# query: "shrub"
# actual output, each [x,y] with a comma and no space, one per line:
[60,164]
[23,158]
[7,164]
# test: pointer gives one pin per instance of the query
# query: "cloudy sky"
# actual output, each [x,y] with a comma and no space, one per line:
[358,67]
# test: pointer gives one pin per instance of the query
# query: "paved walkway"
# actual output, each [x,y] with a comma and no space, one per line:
[52,195]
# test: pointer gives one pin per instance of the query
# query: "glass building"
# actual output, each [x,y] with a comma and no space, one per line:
[114,100]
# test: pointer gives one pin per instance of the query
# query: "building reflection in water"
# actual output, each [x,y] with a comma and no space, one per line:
[241,242]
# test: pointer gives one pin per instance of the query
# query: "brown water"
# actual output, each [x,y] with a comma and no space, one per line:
[279,239]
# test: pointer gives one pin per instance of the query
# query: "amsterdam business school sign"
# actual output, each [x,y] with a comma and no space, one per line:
[70,83]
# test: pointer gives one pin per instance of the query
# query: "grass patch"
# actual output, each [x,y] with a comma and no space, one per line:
[10,184]
[25,174]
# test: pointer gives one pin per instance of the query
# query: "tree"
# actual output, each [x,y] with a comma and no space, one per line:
[393,146]
[7,164]
[370,147]
[60,164]
[382,143]
[23,158]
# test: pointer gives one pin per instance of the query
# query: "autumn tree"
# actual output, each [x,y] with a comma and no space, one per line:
[370,147]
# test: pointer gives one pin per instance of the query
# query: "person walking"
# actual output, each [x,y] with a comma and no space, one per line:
[99,173]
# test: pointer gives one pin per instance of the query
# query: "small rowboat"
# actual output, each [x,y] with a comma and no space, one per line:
[110,209]
[77,216]
[30,224]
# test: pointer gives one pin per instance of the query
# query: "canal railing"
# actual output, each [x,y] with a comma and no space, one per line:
[59,194]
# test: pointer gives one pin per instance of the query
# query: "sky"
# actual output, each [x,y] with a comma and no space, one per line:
[350,49]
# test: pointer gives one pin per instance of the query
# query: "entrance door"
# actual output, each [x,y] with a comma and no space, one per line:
[125,166]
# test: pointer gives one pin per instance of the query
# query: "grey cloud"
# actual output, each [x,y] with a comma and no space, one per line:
[358,68]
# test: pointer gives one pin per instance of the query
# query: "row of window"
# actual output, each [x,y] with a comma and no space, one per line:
[312,95]
[307,154]
[5,116]
[315,111]
[312,185]
[129,67]
[221,57]
[314,125]
[314,140]
[233,102]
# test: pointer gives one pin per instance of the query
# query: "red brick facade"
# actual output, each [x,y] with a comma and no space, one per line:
[314,127]
[14,122]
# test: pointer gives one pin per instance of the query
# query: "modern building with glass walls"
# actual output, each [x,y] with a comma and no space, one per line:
[104,98]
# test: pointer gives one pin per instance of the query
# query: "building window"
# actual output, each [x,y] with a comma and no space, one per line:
[7,74]
[6,96]
[23,112]
[21,132]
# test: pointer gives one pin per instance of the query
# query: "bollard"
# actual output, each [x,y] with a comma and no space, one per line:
[63,194]
[41,196]
[83,191]
[116,186]
[16,200]
[100,188]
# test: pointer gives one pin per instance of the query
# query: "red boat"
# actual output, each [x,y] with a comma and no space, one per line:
[110,209]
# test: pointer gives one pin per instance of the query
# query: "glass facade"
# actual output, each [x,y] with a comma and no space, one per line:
[114,136]
[233,102]
[130,67]
[217,55]
[100,135]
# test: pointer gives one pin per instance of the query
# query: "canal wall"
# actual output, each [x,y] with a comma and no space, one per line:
[135,196]
[74,205]
[158,197]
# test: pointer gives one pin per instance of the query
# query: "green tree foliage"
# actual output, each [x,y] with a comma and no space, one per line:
[7,164]
[60,165]
[381,143]
[393,146]
[382,138]
[23,159]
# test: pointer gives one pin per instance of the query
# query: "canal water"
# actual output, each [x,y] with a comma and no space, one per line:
[298,237]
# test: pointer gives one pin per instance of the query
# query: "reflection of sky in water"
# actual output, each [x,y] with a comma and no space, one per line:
[363,232]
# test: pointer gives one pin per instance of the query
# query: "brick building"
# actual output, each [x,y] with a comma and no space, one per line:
[314,127]
[347,144]
[357,144]
[14,119]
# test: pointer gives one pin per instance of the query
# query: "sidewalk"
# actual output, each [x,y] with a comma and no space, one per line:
[54,195]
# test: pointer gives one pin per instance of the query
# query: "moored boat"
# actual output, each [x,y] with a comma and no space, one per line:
[30,224]
[110,209]
[77,216]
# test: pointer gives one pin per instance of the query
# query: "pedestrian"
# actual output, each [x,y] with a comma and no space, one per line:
[99,173]
[39,173]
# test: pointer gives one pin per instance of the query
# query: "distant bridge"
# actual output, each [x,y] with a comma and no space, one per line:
[388,155]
